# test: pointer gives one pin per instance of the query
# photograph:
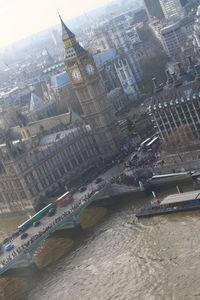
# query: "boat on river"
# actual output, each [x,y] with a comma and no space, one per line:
[168,180]
[171,204]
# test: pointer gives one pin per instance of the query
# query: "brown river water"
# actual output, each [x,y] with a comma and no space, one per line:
[119,258]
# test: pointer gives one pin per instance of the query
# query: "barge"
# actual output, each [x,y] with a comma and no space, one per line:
[157,182]
[172,204]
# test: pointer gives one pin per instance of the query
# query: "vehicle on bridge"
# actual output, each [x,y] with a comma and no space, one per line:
[24,235]
[9,247]
[35,218]
[64,199]
[51,212]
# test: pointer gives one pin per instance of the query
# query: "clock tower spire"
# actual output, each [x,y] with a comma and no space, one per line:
[98,112]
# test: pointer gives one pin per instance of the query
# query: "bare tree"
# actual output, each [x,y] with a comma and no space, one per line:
[181,138]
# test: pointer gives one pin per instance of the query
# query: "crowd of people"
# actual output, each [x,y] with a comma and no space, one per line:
[24,247]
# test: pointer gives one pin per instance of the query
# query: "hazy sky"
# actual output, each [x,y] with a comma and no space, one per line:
[20,18]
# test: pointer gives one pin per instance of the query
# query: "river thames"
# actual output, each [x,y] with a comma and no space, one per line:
[119,258]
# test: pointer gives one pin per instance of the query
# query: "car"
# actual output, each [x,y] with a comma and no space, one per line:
[82,189]
[98,180]
[24,235]
[36,223]
[51,212]
[9,247]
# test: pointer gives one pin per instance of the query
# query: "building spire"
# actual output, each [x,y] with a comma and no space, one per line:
[66,33]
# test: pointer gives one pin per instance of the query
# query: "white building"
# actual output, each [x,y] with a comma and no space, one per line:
[171,8]
[174,36]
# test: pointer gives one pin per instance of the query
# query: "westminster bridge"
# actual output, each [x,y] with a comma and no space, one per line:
[21,256]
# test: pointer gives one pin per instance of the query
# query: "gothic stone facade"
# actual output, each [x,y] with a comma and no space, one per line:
[27,175]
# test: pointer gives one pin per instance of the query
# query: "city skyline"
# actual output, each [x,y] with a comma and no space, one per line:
[20,18]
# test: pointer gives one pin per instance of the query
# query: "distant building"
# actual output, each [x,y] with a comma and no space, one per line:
[171,8]
[40,109]
[140,16]
[129,48]
[56,37]
[174,36]
[197,31]
[153,9]
[66,99]
[105,62]
[119,99]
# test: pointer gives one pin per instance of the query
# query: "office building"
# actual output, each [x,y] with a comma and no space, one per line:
[153,9]
[171,8]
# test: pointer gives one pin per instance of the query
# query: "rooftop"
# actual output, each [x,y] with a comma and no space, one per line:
[170,96]
[60,80]
[36,102]
[104,57]
[181,197]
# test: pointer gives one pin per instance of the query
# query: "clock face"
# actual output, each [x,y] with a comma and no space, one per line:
[90,69]
[76,75]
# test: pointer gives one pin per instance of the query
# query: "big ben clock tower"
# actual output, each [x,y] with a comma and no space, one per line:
[91,94]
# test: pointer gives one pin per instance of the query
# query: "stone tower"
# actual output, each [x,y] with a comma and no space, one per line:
[83,73]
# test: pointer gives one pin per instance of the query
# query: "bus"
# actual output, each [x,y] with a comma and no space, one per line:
[35,217]
[153,143]
[145,142]
[64,199]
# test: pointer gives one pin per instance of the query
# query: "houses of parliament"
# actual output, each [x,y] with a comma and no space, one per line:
[53,152]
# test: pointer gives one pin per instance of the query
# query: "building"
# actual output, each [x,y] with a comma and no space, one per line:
[197,31]
[45,126]
[39,109]
[129,51]
[171,8]
[153,9]
[178,104]
[61,88]
[56,37]
[105,62]
[119,99]
[32,169]
[174,36]
[91,94]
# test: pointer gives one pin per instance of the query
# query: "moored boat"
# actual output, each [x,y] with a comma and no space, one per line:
[170,180]
[172,204]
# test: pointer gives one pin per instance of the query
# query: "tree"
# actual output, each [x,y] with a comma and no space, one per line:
[154,64]
[182,137]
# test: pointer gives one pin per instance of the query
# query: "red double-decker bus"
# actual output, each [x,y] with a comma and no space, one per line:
[64,199]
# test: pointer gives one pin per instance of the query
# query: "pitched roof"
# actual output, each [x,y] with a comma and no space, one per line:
[60,80]
[103,57]
[35,103]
